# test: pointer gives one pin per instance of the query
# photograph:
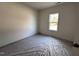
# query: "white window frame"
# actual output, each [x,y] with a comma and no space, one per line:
[49,22]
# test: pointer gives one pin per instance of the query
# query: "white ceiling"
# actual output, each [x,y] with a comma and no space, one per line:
[40,5]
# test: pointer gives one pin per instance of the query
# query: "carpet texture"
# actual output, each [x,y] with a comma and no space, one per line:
[38,45]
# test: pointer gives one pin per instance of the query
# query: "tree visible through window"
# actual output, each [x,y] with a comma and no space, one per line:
[53,21]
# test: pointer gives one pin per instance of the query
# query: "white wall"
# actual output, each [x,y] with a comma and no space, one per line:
[66,21]
[16,22]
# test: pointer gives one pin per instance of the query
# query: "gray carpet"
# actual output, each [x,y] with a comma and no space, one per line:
[38,45]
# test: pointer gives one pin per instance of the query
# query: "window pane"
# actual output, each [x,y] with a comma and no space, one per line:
[53,21]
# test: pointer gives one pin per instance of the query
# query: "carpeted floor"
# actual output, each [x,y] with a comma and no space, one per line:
[38,45]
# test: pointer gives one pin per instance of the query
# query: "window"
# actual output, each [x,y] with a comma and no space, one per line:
[53,21]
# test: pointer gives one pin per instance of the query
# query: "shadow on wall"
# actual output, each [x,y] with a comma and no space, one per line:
[16,22]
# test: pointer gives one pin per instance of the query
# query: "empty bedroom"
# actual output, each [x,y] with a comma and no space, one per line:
[39,29]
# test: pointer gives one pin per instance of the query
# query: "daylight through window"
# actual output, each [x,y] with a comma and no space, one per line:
[53,21]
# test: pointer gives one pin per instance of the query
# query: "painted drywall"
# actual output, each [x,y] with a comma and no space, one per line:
[66,21]
[17,21]
[76,31]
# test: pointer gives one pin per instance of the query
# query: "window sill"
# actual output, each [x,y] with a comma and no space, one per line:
[53,30]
